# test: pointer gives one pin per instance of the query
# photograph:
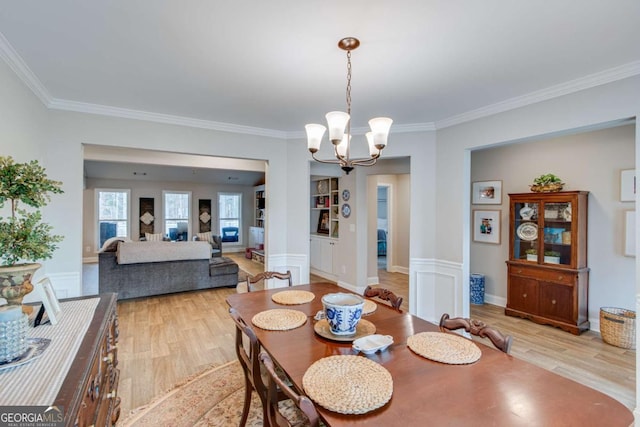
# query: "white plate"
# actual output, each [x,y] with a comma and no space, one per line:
[528,231]
[372,343]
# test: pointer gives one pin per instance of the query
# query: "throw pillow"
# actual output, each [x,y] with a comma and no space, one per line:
[205,237]
[157,237]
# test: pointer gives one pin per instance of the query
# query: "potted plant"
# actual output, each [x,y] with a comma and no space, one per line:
[552,257]
[24,238]
[532,254]
[547,183]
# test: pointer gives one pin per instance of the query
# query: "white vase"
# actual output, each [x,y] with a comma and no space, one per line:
[552,259]
[532,257]
[526,212]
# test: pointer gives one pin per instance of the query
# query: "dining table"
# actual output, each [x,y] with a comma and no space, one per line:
[496,390]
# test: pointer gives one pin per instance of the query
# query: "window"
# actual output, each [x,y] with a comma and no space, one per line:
[177,214]
[229,212]
[112,208]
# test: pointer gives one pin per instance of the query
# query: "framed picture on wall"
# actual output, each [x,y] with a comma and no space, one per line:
[628,185]
[486,193]
[486,226]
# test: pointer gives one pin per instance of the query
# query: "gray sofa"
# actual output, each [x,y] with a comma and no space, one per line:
[141,269]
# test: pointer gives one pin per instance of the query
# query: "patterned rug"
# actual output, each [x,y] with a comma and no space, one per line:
[212,398]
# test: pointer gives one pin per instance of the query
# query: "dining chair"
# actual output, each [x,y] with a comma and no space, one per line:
[385,295]
[478,328]
[248,356]
[303,405]
[252,281]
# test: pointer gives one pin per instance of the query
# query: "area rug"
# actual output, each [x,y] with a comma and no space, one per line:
[212,398]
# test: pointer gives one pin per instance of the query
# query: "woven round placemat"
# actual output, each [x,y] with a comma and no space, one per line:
[279,319]
[292,297]
[348,384]
[369,307]
[446,348]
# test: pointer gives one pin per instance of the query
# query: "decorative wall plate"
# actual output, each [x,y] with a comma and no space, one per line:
[527,231]
[346,210]
[345,195]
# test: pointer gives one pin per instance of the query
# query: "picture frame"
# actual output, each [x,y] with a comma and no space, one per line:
[628,185]
[630,233]
[486,226]
[486,193]
[49,301]
[323,222]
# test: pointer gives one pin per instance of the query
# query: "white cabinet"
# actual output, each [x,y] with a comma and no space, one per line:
[322,254]
[256,237]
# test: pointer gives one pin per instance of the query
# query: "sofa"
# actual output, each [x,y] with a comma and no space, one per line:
[142,269]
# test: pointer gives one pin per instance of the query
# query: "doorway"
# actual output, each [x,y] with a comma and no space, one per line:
[383,227]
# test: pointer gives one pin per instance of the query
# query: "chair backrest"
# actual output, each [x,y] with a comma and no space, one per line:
[276,385]
[478,328]
[385,295]
[252,281]
[249,357]
[229,234]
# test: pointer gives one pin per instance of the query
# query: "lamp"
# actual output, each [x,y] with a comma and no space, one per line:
[339,124]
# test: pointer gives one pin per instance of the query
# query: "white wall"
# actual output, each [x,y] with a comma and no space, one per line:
[586,161]
[582,110]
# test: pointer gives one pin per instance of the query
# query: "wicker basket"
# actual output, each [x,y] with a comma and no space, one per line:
[547,188]
[618,327]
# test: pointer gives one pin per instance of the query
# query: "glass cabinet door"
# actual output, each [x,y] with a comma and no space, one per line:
[526,233]
[557,233]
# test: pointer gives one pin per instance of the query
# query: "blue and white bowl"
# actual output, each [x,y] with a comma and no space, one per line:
[343,312]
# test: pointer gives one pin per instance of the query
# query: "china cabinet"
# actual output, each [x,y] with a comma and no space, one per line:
[547,273]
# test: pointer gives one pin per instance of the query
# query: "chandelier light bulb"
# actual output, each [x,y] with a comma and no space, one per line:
[380,127]
[373,151]
[315,132]
[341,148]
[337,121]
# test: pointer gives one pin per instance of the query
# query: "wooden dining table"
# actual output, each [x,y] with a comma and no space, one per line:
[497,390]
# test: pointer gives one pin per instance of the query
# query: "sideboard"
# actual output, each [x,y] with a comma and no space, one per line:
[89,391]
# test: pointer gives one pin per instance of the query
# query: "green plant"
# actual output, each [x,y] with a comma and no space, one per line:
[531,251]
[23,237]
[546,179]
[552,253]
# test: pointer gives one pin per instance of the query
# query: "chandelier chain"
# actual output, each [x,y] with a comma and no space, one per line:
[349,82]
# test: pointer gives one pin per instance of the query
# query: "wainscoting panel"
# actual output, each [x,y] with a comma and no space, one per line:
[297,264]
[435,287]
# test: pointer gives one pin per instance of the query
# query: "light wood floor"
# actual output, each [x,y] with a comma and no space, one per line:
[166,339]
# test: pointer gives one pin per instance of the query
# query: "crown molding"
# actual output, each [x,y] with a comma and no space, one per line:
[24,73]
[104,110]
[20,68]
[592,80]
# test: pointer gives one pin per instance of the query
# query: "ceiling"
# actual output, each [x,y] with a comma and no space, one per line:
[273,66]
[269,68]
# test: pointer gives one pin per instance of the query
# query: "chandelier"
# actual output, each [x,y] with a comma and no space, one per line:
[340,127]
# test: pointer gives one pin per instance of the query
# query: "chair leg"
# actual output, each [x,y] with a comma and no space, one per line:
[248,388]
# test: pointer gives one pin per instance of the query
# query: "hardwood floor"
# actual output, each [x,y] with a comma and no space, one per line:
[166,339]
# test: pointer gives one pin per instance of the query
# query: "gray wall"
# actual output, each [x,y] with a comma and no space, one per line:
[589,161]
[154,189]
